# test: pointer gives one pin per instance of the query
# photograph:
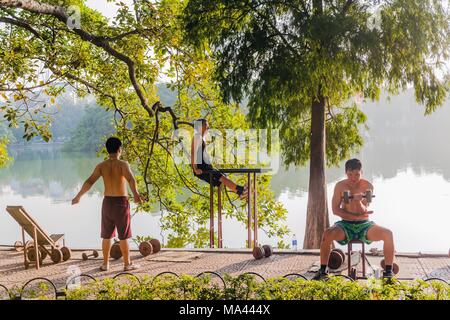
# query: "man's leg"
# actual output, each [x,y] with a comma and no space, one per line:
[123,224]
[106,247]
[229,184]
[108,231]
[330,235]
[377,233]
[243,192]
[125,248]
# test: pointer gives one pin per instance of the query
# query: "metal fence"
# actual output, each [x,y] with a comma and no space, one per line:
[27,291]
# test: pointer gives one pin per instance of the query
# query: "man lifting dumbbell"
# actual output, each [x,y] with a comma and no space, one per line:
[351,200]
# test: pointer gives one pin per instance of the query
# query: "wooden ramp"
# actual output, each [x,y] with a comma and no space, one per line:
[29,224]
[32,228]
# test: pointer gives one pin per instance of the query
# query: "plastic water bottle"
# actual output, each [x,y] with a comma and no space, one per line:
[377,273]
[294,242]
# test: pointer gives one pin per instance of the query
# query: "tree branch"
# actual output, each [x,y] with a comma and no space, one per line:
[60,14]
[29,88]
[158,107]
[21,24]
[126,34]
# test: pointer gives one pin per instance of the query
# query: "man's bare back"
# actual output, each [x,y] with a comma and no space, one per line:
[357,209]
[115,174]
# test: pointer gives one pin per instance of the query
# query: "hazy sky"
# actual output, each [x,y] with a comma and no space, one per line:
[108,9]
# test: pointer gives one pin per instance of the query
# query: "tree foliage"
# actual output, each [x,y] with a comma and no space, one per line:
[94,128]
[284,56]
[119,63]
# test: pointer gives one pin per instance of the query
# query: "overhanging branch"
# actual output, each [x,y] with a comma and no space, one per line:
[21,24]
[61,14]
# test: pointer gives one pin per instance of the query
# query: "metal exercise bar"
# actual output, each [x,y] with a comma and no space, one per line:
[252,211]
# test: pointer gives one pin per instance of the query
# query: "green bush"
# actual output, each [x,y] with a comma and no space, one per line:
[247,287]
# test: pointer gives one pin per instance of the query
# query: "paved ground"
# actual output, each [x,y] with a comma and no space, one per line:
[13,273]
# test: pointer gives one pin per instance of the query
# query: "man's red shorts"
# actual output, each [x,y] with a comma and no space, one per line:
[116,214]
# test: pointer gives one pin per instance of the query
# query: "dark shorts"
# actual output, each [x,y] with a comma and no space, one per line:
[216,175]
[116,215]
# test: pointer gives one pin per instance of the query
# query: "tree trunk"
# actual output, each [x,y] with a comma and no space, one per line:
[317,219]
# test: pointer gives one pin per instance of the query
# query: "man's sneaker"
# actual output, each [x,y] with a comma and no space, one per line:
[320,275]
[388,275]
[244,195]
[131,267]
[242,192]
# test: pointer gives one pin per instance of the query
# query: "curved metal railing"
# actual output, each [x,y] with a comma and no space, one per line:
[29,289]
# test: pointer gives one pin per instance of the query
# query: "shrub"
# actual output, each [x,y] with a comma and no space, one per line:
[244,287]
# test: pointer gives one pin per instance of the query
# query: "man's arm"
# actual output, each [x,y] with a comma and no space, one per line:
[370,187]
[128,174]
[88,184]
[336,206]
[194,147]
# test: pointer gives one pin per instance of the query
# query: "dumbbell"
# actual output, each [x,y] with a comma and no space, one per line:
[29,243]
[156,245]
[337,258]
[258,252]
[31,253]
[147,248]
[18,246]
[115,252]
[94,254]
[264,251]
[368,195]
[268,250]
[395,267]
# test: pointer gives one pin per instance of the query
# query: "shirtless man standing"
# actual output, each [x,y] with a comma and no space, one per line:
[355,223]
[115,207]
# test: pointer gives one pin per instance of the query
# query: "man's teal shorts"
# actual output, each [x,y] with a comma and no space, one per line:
[355,230]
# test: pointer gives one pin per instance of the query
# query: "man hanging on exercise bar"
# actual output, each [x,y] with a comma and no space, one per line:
[201,162]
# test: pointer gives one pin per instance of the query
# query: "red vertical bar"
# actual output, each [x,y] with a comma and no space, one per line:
[364,259]
[255,212]
[249,211]
[219,216]
[211,212]
[349,259]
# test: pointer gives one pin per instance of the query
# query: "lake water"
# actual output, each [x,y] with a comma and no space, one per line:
[406,158]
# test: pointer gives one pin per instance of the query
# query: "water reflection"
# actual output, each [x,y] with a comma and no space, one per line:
[47,171]
[399,137]
[406,156]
